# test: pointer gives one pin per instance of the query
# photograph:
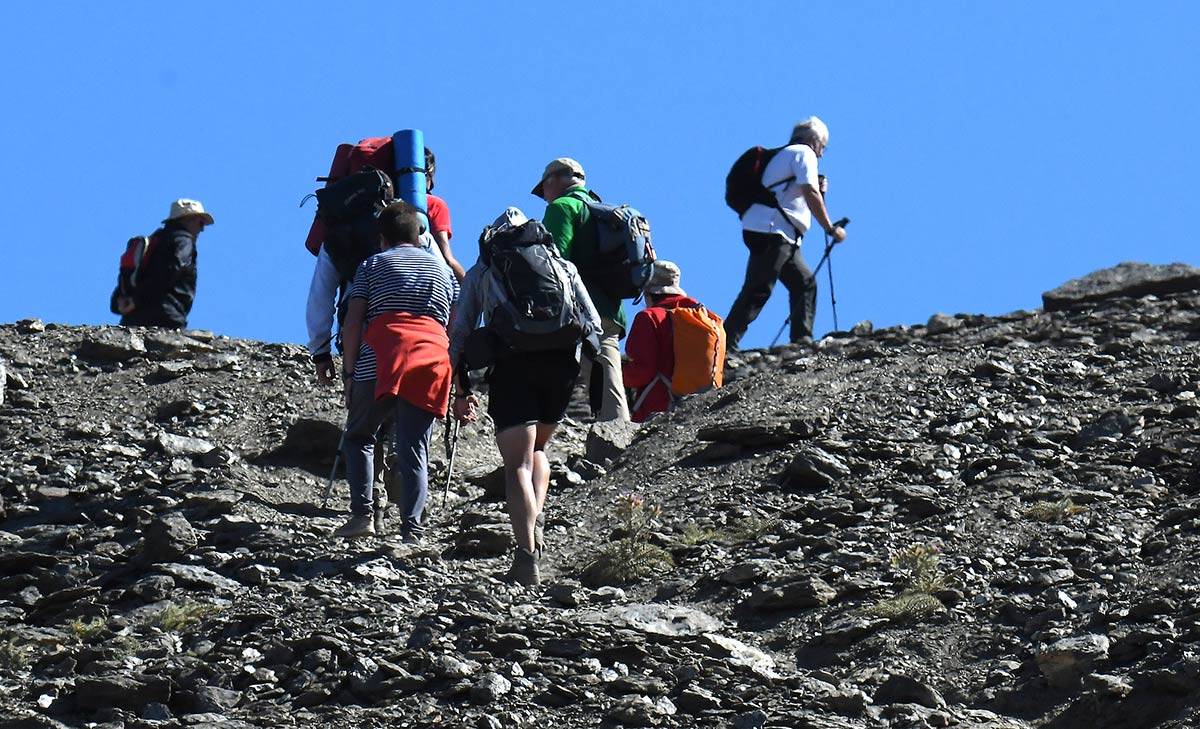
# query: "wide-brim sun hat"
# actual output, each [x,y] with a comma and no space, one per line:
[184,208]
[665,280]
[557,167]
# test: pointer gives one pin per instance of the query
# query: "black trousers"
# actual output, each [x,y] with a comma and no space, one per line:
[773,259]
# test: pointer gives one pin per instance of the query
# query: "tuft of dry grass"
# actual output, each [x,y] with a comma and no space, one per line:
[1055,512]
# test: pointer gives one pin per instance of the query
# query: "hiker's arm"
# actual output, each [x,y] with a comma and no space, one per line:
[642,349]
[816,204]
[558,221]
[319,314]
[593,328]
[352,335]
[178,252]
[443,242]
[466,312]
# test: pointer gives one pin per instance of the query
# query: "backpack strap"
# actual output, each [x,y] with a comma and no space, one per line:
[778,207]
[658,377]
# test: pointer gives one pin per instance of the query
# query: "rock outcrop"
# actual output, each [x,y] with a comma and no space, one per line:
[986,522]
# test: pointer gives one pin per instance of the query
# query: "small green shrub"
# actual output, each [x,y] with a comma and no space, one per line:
[920,568]
[13,655]
[1054,512]
[920,572]
[179,617]
[692,534]
[752,528]
[631,557]
[85,631]
[906,607]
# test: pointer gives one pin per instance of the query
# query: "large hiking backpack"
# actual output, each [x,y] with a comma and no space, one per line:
[698,341]
[134,261]
[624,254]
[349,208]
[744,183]
[534,307]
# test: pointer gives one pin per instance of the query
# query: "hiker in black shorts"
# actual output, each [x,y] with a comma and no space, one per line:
[528,390]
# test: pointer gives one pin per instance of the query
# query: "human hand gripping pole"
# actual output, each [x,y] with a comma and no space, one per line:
[463,412]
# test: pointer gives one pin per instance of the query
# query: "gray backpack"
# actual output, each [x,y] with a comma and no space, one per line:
[534,303]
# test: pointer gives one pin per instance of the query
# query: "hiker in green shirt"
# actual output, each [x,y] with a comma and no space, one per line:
[563,187]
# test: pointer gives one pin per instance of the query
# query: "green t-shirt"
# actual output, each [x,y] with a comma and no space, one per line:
[566,219]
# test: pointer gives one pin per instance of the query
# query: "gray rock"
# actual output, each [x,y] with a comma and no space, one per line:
[125,692]
[695,699]
[737,653]
[112,344]
[1123,280]
[182,445]
[173,345]
[813,468]
[642,711]
[805,592]
[900,689]
[659,619]
[3,379]
[751,571]
[942,323]
[30,326]
[606,441]
[489,687]
[200,576]
[1067,661]
[169,538]
[310,439]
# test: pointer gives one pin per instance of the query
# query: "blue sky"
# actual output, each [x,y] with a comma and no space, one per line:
[985,151]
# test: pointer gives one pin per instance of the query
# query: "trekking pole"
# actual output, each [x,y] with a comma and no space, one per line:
[829,244]
[832,299]
[450,466]
[333,471]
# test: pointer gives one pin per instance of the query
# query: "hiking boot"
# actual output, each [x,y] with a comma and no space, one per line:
[378,522]
[359,525]
[539,535]
[525,568]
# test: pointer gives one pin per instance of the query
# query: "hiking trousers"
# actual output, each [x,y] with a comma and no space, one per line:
[413,429]
[613,405]
[773,258]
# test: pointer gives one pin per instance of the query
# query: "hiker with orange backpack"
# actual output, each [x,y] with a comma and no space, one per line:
[676,346]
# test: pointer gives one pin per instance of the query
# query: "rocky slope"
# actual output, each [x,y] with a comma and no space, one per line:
[979,522]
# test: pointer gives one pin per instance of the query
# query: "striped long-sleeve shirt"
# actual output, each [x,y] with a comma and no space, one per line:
[406,279]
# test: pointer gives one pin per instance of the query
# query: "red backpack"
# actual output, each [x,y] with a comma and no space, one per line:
[374,152]
[133,261]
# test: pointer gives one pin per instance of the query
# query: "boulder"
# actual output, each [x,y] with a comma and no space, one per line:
[113,344]
[608,440]
[1121,281]
[169,538]
[814,468]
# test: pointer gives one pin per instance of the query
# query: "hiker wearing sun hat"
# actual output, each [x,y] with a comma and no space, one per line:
[166,284]
[563,187]
[676,347]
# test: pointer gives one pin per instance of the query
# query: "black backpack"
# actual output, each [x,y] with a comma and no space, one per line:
[532,299]
[624,255]
[349,207]
[134,261]
[744,183]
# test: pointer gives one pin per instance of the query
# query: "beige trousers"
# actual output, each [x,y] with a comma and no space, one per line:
[613,405]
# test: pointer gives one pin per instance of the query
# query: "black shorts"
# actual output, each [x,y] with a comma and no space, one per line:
[533,387]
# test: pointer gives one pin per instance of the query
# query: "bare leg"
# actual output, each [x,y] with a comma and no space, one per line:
[541,464]
[516,450]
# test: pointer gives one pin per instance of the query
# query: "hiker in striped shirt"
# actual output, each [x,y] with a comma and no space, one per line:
[396,361]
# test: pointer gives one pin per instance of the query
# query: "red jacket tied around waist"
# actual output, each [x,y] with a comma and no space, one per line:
[412,355]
